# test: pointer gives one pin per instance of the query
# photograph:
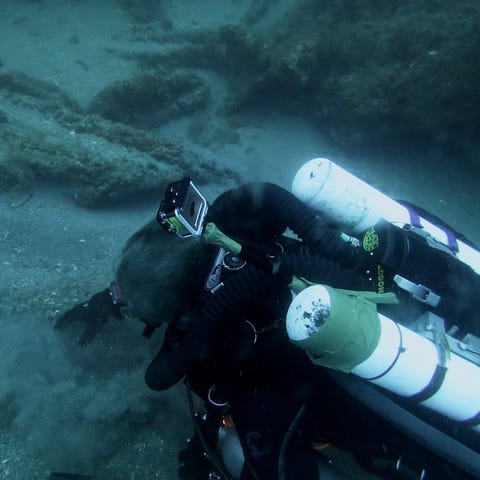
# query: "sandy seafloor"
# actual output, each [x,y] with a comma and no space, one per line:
[88,411]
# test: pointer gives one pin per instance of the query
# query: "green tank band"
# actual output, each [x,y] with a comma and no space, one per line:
[298,284]
[377,298]
[351,331]
[212,234]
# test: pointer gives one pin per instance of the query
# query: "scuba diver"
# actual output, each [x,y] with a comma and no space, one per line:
[225,310]
[226,287]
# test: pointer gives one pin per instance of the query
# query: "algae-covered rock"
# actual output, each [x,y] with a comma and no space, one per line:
[96,171]
[231,49]
[151,99]
[419,82]
[377,73]
[213,133]
[16,84]
[148,11]
[366,72]
[257,10]
[47,139]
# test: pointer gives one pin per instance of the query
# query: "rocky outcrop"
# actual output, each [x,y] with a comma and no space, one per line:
[48,137]
[369,73]
[151,99]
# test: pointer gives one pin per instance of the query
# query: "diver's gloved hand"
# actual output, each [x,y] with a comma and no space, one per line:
[95,313]
[167,368]
[173,360]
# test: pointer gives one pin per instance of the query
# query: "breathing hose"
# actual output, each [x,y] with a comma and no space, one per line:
[211,456]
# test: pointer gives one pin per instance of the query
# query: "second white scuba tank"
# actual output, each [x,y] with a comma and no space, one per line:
[342,330]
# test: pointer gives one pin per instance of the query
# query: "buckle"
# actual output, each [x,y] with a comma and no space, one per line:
[419,292]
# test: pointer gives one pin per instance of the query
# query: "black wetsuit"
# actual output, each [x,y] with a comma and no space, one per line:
[256,215]
[235,336]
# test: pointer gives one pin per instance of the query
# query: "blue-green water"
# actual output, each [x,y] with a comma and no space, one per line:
[102,103]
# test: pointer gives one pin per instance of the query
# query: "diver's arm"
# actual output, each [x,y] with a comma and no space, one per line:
[317,269]
[171,364]
[262,211]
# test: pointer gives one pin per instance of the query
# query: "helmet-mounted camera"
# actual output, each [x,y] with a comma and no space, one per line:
[183,209]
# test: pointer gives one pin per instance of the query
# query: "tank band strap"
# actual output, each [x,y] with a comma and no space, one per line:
[400,350]
[414,217]
[471,422]
[451,238]
[432,387]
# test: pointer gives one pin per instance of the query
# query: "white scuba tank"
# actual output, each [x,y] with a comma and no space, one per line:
[349,335]
[342,330]
[354,206]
